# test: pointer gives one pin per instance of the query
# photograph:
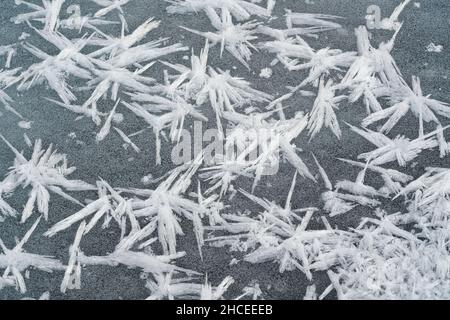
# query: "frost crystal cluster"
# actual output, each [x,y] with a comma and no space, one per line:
[323,156]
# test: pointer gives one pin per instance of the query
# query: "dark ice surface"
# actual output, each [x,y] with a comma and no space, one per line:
[124,168]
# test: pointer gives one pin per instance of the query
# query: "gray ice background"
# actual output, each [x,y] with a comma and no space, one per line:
[121,168]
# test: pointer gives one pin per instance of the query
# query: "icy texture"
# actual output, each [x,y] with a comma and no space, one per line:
[216,199]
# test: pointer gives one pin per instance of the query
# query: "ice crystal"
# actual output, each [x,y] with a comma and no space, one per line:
[165,287]
[166,205]
[44,172]
[390,23]
[296,54]
[389,255]
[78,22]
[109,5]
[122,255]
[48,13]
[226,92]
[268,139]
[240,9]
[347,194]
[9,52]
[372,62]
[114,46]
[16,260]
[55,69]
[7,78]
[323,110]
[321,21]
[400,149]
[161,112]
[409,99]
[236,39]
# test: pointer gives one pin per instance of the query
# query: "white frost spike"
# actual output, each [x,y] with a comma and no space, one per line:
[16,260]
[104,131]
[273,138]
[286,214]
[240,9]
[114,78]
[110,204]
[370,90]
[298,251]
[337,203]
[236,39]
[9,51]
[27,140]
[149,51]
[40,13]
[7,282]
[296,54]
[434,190]
[70,280]
[283,39]
[444,146]
[380,241]
[166,204]
[52,14]
[55,69]
[174,112]
[323,174]
[152,121]
[247,233]
[395,175]
[322,21]
[125,51]
[5,209]
[212,212]
[407,99]
[45,172]
[358,188]
[148,263]
[166,287]
[373,62]
[226,92]
[393,179]
[253,291]
[167,112]
[69,50]
[110,5]
[198,224]
[115,46]
[7,78]
[127,140]
[310,293]
[269,237]
[209,292]
[44,13]
[223,174]
[325,61]
[400,149]
[82,111]
[190,80]
[323,110]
